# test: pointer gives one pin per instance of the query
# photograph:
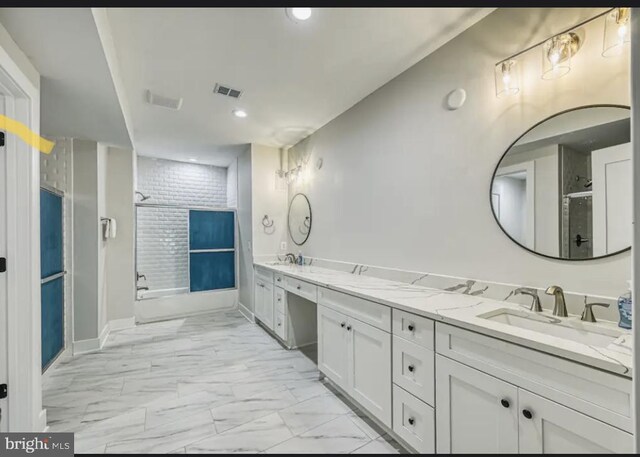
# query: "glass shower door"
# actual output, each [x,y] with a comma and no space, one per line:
[52,275]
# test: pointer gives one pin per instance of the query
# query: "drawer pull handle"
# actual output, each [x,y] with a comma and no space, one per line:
[342,324]
[348,328]
[278,279]
[411,421]
[411,368]
[505,402]
[298,287]
[526,413]
[411,327]
[279,299]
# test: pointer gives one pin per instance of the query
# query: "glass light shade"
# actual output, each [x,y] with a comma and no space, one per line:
[556,55]
[507,78]
[617,31]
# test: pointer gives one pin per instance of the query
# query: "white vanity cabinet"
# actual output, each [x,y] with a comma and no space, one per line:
[355,355]
[485,401]
[263,302]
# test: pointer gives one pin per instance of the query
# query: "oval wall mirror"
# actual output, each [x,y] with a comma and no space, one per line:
[563,188]
[299,219]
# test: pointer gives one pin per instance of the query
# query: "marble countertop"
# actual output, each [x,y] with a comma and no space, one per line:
[463,310]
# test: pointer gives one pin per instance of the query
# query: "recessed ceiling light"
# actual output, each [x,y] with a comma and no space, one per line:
[239,113]
[298,14]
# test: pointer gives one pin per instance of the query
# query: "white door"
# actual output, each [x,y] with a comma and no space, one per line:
[612,190]
[332,345]
[267,303]
[549,428]
[369,362]
[475,412]
[4,413]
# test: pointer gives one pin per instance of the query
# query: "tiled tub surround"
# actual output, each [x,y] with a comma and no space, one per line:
[461,310]
[485,289]
[162,233]
[214,383]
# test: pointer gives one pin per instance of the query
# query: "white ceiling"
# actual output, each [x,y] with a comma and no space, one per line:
[295,77]
[78,98]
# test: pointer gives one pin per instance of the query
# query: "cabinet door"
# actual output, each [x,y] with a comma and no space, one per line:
[267,305]
[258,299]
[369,363]
[332,345]
[475,412]
[547,427]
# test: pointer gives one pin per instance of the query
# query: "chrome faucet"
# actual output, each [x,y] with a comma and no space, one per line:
[290,257]
[533,293]
[560,307]
[587,313]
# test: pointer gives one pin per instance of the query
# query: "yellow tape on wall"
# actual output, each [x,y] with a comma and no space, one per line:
[29,137]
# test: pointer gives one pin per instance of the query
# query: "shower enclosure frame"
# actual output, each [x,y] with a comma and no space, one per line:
[188,208]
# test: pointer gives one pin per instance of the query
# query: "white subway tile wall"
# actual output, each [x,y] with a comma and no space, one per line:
[162,233]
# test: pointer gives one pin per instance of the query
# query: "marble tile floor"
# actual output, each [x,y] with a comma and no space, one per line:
[207,384]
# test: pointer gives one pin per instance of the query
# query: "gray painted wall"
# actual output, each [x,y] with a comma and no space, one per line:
[245,236]
[86,236]
[405,182]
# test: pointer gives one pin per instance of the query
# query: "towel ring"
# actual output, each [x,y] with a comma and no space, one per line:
[266,222]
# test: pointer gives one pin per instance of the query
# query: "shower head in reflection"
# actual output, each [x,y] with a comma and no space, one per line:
[143,197]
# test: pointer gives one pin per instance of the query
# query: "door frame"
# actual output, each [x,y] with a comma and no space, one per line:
[22,180]
[529,168]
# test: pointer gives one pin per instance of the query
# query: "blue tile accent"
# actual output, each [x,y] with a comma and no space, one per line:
[51,259]
[52,319]
[211,230]
[212,270]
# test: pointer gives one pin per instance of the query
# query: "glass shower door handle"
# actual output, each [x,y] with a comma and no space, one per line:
[579,240]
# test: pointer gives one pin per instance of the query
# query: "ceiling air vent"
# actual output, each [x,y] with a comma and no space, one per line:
[164,102]
[226,90]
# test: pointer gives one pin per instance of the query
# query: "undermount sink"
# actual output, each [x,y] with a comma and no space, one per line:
[568,329]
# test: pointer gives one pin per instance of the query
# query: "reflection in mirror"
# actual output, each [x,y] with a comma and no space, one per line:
[563,189]
[299,219]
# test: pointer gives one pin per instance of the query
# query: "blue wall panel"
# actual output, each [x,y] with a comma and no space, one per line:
[211,230]
[52,319]
[51,261]
[212,270]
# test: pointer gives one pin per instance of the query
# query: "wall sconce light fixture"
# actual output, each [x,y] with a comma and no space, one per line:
[617,31]
[507,77]
[557,53]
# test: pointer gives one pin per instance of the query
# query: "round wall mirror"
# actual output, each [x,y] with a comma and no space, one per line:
[299,219]
[563,189]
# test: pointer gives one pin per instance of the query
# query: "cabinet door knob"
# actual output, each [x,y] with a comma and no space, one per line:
[526,413]
[342,324]
[348,328]
[411,420]
[279,299]
[410,327]
[411,368]
[278,279]
[505,402]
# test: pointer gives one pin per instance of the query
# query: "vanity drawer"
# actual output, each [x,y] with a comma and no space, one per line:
[280,300]
[414,369]
[416,329]
[364,310]
[302,288]
[264,275]
[414,421]
[594,392]
[278,279]
[280,326]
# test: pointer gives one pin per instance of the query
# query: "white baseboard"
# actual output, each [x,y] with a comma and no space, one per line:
[84,346]
[121,324]
[104,334]
[42,421]
[246,313]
